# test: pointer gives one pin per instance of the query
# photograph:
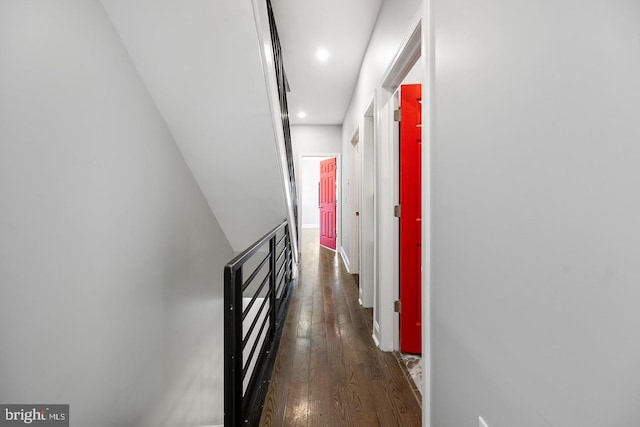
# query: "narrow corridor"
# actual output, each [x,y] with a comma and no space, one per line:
[328,370]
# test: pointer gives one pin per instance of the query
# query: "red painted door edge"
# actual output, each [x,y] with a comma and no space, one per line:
[411,219]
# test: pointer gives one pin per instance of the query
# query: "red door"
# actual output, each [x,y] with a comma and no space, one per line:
[410,219]
[328,203]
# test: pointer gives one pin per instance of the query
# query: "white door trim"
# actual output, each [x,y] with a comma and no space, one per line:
[367,205]
[428,132]
[354,183]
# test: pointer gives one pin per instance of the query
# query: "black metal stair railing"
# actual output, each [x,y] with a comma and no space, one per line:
[283,87]
[256,291]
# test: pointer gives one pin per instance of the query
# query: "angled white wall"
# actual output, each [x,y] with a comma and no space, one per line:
[201,63]
[110,258]
[535,213]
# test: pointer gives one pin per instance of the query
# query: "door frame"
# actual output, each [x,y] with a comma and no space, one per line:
[354,183]
[338,194]
[367,223]
[427,48]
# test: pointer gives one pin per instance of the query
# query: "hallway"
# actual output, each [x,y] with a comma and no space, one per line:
[328,371]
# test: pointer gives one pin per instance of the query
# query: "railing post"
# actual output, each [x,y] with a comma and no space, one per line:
[233,346]
[272,288]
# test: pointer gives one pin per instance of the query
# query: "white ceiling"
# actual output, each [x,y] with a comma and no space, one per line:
[323,89]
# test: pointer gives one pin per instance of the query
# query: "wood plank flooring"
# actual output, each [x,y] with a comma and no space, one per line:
[328,371]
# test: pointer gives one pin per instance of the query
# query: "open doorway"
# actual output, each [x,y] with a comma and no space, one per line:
[363,206]
[327,203]
[310,198]
[354,214]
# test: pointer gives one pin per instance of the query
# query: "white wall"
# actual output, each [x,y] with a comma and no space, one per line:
[315,139]
[535,213]
[110,258]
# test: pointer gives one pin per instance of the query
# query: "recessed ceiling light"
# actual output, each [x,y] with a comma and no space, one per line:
[302,114]
[322,54]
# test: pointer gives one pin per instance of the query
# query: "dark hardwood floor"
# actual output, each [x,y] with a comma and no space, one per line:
[328,371]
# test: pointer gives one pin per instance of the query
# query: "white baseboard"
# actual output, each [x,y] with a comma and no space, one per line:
[345,259]
[375,340]
[376,333]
